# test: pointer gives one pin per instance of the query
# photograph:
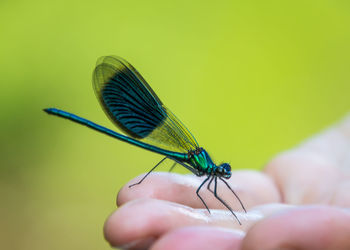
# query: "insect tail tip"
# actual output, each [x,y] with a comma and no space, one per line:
[49,110]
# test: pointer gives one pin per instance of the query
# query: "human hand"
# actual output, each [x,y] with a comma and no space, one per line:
[299,201]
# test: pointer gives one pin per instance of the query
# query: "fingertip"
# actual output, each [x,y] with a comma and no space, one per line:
[110,232]
[145,189]
[117,235]
[142,219]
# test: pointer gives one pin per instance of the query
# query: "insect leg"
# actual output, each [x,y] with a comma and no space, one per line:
[193,170]
[222,201]
[197,192]
[147,173]
[240,202]
[172,167]
[208,186]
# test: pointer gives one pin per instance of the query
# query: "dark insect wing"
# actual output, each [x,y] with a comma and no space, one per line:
[126,97]
[134,107]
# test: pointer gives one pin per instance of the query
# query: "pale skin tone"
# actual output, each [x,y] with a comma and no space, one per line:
[299,201]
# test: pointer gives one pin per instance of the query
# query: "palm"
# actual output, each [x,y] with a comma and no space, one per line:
[294,203]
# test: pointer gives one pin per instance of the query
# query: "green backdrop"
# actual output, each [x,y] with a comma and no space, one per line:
[248,78]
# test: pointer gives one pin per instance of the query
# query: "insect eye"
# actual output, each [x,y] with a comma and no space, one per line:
[226,167]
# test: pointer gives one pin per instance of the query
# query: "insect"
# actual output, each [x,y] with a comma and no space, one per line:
[132,106]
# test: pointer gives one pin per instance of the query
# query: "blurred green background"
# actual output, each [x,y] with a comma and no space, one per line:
[248,78]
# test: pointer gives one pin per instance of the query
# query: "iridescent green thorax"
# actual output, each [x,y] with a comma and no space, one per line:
[200,160]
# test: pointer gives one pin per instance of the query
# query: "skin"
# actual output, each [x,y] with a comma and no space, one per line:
[299,201]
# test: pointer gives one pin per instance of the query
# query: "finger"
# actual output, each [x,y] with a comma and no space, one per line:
[200,238]
[313,171]
[252,187]
[304,178]
[309,228]
[142,220]
[333,143]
